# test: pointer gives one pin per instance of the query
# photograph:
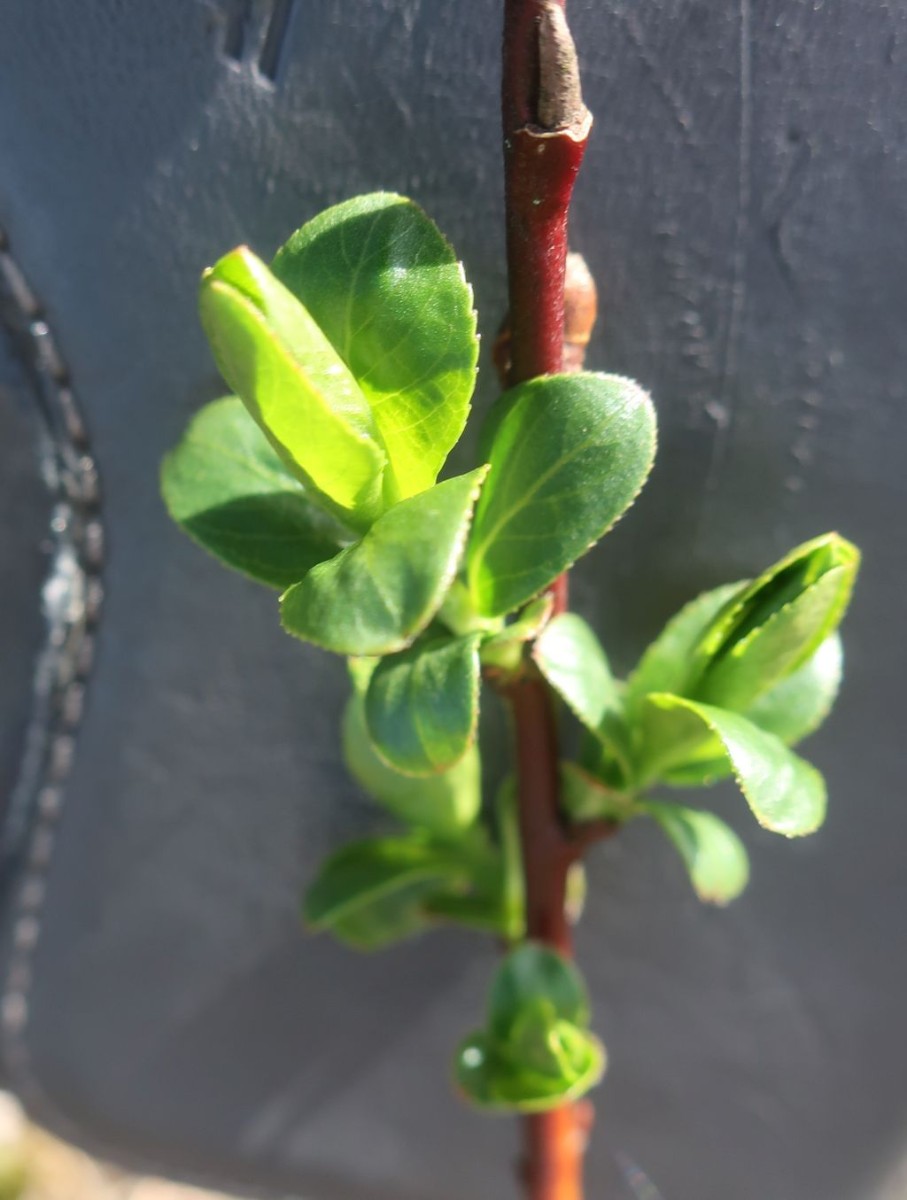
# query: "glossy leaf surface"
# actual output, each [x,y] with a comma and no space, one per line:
[295,385]
[786,794]
[387,290]
[712,853]
[375,597]
[444,804]
[229,490]
[569,455]
[422,705]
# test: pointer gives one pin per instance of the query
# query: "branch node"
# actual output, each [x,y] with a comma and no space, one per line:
[560,97]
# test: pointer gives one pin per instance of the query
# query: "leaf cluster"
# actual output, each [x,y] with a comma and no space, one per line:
[352,359]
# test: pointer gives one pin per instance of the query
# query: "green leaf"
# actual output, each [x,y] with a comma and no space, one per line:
[798,705]
[667,665]
[713,854]
[362,874]
[295,385]
[389,919]
[533,972]
[571,658]
[587,798]
[444,804]
[490,1079]
[375,597]
[773,627]
[387,290]
[569,455]
[791,710]
[422,705]
[787,794]
[536,1052]
[226,488]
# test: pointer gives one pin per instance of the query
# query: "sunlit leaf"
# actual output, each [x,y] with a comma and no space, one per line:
[569,455]
[296,386]
[786,794]
[387,290]
[375,597]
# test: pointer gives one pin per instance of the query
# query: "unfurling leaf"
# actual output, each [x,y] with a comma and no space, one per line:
[296,386]
[713,854]
[387,291]
[585,797]
[569,454]
[444,804]
[536,1052]
[786,794]
[228,489]
[376,597]
[422,705]
[776,624]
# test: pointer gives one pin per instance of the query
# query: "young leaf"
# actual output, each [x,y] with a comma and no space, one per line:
[569,455]
[798,705]
[388,919]
[422,706]
[362,874]
[791,710]
[571,658]
[777,623]
[787,794]
[495,1080]
[587,798]
[713,854]
[531,972]
[667,665]
[375,597]
[387,290]
[225,486]
[443,804]
[295,385]
[536,1052]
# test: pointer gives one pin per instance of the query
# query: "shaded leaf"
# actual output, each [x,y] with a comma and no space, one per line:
[375,597]
[571,658]
[386,289]
[422,705]
[531,972]
[295,385]
[227,488]
[786,794]
[444,804]
[713,854]
[364,873]
[491,1079]
[569,455]
[667,665]
[799,704]
[586,798]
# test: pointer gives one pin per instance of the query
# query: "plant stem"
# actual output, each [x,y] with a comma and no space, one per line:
[545,126]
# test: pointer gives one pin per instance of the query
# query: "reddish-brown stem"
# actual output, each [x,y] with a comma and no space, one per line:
[545,126]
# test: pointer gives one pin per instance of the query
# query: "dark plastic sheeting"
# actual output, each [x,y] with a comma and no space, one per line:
[744,207]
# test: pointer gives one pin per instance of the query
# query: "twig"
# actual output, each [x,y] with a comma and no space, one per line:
[546,126]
